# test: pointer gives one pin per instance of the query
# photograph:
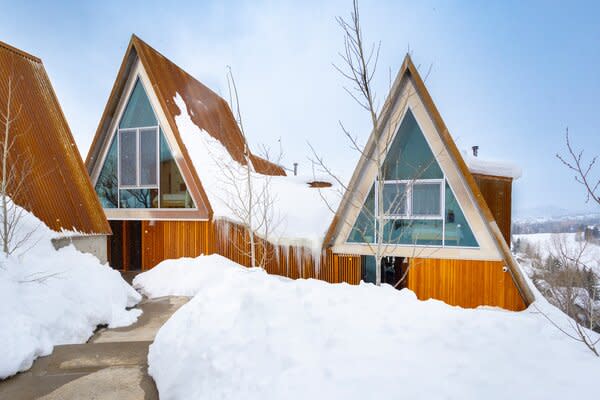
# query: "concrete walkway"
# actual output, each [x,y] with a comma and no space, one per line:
[111,365]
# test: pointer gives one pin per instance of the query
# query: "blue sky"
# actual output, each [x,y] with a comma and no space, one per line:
[508,76]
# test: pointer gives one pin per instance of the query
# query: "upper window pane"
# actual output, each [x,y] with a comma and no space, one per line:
[173,191]
[457,232]
[410,156]
[363,230]
[127,157]
[138,112]
[426,199]
[107,183]
[148,157]
[394,199]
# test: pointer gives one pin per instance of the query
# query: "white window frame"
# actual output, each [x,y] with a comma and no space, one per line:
[138,158]
[409,199]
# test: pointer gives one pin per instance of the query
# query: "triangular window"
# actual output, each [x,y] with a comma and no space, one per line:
[139,170]
[418,205]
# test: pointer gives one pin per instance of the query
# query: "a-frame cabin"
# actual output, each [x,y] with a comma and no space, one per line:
[437,217]
[46,173]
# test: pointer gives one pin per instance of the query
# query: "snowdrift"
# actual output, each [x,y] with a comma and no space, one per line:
[250,335]
[50,297]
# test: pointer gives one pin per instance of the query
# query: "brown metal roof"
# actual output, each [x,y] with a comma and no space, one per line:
[207,110]
[58,189]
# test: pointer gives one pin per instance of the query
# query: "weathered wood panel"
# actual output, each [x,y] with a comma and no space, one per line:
[497,192]
[465,283]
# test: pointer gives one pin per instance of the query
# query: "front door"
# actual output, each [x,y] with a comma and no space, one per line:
[125,245]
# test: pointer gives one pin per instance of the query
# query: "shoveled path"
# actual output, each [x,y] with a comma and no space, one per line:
[111,365]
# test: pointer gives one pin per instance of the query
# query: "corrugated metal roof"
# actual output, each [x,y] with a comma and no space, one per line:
[58,189]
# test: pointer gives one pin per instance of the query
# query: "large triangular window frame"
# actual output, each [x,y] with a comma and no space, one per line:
[163,130]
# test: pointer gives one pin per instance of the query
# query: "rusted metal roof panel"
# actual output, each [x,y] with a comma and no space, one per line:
[209,111]
[57,189]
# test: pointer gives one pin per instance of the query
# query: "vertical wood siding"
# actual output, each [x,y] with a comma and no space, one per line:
[465,283]
[497,192]
[163,240]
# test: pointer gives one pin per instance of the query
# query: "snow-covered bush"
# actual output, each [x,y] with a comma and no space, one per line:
[50,297]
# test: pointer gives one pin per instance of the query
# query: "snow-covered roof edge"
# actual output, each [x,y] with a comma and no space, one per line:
[491,167]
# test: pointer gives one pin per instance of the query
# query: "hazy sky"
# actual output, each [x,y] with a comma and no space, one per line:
[509,76]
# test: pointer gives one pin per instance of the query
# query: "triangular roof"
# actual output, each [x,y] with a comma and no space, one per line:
[208,111]
[58,190]
[408,72]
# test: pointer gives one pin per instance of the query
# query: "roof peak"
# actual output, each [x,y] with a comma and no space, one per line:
[19,52]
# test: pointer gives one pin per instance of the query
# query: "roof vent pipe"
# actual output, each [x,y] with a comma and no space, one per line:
[475,150]
[295,168]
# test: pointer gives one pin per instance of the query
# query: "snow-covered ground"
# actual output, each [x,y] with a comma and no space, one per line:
[545,243]
[250,335]
[50,297]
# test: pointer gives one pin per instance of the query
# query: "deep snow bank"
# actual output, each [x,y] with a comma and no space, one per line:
[249,335]
[50,297]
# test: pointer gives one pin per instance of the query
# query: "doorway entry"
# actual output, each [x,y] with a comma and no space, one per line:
[393,270]
[125,245]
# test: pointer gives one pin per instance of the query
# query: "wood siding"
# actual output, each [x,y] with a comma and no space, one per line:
[497,192]
[464,283]
[163,240]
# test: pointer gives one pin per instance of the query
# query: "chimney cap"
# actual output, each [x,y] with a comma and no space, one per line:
[475,150]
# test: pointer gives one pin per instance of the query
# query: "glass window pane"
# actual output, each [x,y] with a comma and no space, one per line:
[368,269]
[173,191]
[363,230]
[413,231]
[148,157]
[410,156]
[138,112]
[139,198]
[128,150]
[107,183]
[458,232]
[394,199]
[426,199]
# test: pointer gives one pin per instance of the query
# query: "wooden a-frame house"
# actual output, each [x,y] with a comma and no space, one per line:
[450,231]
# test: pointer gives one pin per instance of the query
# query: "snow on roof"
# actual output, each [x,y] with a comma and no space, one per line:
[491,167]
[300,214]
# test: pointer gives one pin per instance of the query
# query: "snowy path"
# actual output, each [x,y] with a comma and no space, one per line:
[113,364]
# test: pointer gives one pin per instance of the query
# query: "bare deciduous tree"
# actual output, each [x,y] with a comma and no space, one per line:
[16,169]
[251,199]
[359,65]
[584,170]
[566,280]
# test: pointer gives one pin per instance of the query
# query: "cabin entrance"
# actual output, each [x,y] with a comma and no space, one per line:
[125,245]
[392,270]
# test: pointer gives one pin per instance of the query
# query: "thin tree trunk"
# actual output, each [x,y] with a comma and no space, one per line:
[5,236]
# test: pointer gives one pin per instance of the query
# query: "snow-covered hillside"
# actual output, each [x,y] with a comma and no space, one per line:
[50,297]
[546,244]
[250,335]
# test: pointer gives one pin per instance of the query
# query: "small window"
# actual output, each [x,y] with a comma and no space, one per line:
[395,199]
[138,157]
[426,200]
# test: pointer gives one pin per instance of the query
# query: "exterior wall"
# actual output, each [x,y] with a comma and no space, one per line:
[497,192]
[163,240]
[95,245]
[464,283]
